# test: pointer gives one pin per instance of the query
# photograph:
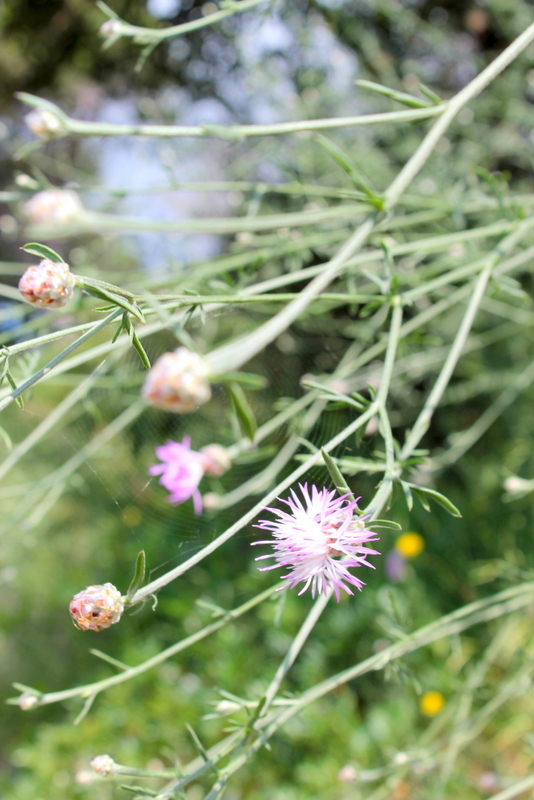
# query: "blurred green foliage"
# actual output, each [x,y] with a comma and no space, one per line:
[106,515]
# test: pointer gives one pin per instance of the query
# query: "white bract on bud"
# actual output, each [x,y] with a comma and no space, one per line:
[48,285]
[45,124]
[216,460]
[178,381]
[103,765]
[111,28]
[27,700]
[514,484]
[97,607]
[53,207]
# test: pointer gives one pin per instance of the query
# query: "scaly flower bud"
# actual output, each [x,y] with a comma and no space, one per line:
[178,382]
[45,124]
[103,765]
[53,207]
[48,285]
[96,608]
[216,459]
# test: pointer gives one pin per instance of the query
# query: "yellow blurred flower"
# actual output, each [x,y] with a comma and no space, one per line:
[410,545]
[431,703]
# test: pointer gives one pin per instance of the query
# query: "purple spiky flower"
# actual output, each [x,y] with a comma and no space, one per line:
[319,540]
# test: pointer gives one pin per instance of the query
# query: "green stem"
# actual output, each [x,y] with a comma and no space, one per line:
[57,359]
[95,688]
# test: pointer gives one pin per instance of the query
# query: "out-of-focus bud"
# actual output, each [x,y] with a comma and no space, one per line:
[48,285]
[53,207]
[45,124]
[97,607]
[103,765]
[216,460]
[514,484]
[178,381]
[210,500]
[347,774]
[27,700]
[226,707]
[111,28]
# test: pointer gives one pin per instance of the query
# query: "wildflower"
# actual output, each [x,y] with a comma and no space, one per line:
[178,381]
[53,207]
[44,124]
[103,765]
[48,285]
[409,545]
[431,703]
[97,607]
[313,539]
[181,471]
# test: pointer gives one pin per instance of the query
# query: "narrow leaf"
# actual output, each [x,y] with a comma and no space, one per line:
[435,98]
[339,481]
[357,177]
[107,10]
[198,744]
[94,283]
[111,297]
[400,97]
[141,352]
[42,251]
[108,659]
[139,575]
[242,409]
[407,494]
[19,401]
[248,379]
[424,492]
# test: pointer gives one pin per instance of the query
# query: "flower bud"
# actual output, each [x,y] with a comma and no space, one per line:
[347,774]
[45,124]
[514,484]
[216,459]
[178,382]
[48,285]
[103,765]
[111,28]
[27,700]
[53,207]
[97,607]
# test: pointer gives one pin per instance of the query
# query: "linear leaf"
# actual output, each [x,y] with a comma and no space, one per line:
[42,251]
[243,411]
[339,481]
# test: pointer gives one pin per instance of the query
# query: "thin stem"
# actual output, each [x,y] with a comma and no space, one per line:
[426,148]
[145,35]
[423,420]
[233,132]
[57,359]
[233,355]
[95,688]
[515,790]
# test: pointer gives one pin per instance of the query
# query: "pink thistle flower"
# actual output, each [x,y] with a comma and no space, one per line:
[181,471]
[319,540]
